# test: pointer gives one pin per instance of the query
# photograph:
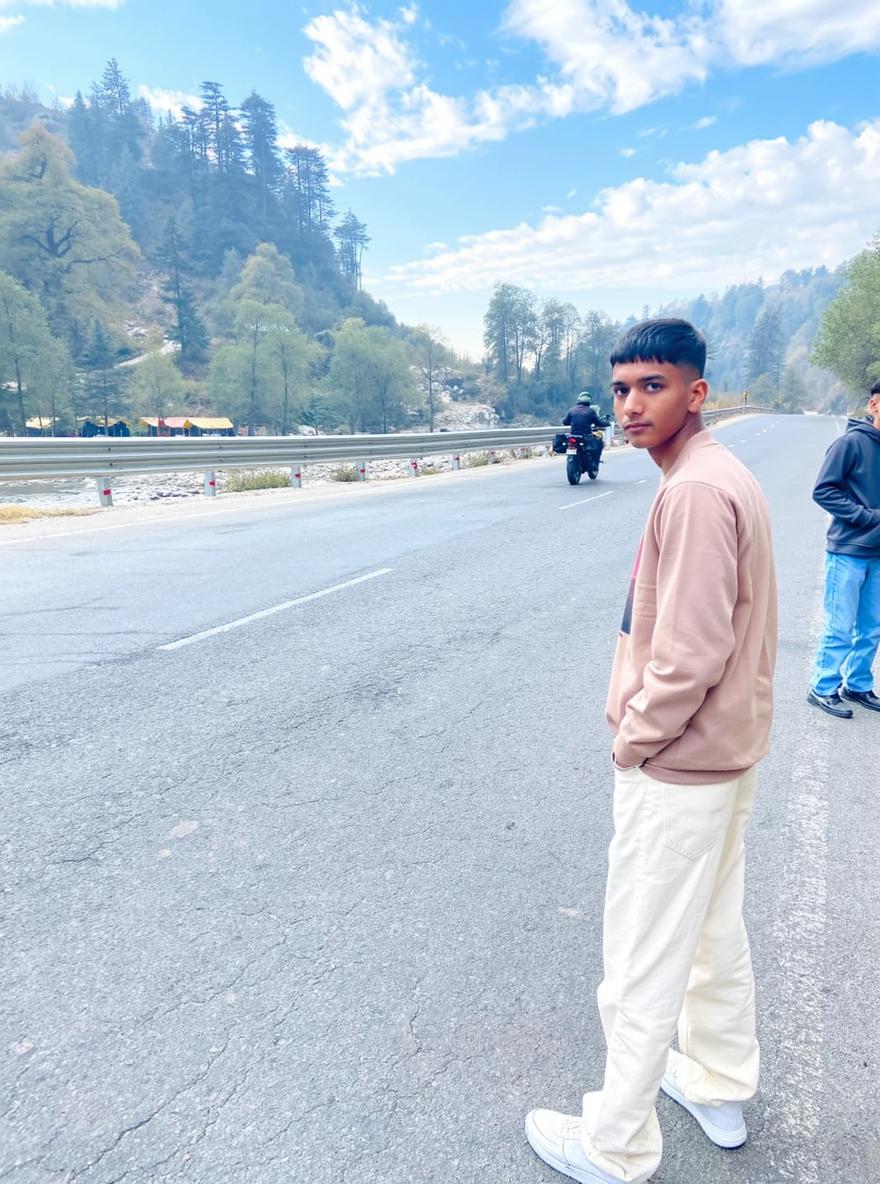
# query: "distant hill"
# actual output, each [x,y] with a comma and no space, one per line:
[729,322]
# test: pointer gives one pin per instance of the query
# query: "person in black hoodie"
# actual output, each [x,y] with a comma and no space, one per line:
[848,487]
[582,418]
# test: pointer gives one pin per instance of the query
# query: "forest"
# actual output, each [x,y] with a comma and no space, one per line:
[156,266]
[149,267]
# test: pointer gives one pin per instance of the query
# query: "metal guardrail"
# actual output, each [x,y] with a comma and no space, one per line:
[102,457]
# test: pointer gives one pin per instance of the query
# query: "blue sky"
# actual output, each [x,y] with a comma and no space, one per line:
[605,154]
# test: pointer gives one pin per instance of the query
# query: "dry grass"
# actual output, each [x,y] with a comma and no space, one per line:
[245,480]
[25,513]
[344,473]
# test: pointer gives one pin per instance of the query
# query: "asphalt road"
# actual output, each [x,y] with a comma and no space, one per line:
[316,898]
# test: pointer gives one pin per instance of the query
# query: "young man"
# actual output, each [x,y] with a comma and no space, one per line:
[848,487]
[690,704]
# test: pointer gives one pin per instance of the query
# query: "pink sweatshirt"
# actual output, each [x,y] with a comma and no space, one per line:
[691,694]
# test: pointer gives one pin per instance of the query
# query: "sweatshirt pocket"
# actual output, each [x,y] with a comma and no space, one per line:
[696,817]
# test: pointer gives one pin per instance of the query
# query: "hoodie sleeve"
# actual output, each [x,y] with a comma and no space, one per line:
[832,489]
[693,637]
[566,422]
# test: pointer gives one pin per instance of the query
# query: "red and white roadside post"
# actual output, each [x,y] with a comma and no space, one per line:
[210,484]
[105,492]
[296,477]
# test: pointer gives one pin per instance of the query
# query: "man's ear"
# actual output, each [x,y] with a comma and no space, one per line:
[699,391]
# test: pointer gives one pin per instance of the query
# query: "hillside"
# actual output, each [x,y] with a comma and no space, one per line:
[212,253]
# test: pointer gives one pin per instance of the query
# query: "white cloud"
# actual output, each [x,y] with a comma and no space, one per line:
[433,248]
[163,101]
[571,193]
[627,152]
[796,32]
[600,54]
[392,116]
[357,62]
[757,209]
[702,124]
[609,54]
[8,23]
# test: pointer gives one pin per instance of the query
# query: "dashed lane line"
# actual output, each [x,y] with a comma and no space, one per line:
[583,501]
[268,612]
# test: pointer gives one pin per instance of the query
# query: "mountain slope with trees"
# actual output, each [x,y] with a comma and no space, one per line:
[760,339]
[198,263]
[123,237]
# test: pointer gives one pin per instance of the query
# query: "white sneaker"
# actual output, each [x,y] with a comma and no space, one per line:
[723,1124]
[556,1138]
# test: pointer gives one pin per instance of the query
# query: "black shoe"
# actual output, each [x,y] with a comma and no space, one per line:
[863,698]
[831,704]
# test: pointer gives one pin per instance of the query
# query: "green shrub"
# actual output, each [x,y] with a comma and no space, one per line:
[344,473]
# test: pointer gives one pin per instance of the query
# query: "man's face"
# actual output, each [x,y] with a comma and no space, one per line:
[652,400]
[874,409]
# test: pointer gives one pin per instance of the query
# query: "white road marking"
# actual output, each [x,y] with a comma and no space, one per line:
[742,441]
[268,612]
[584,500]
[643,481]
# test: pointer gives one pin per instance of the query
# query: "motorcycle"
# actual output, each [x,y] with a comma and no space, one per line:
[584,455]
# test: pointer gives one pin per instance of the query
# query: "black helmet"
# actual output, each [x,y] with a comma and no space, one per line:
[583,397]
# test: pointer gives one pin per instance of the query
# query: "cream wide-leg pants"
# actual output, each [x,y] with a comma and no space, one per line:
[676,956]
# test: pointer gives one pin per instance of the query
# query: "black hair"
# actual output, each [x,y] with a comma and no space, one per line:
[670,340]
[875,389]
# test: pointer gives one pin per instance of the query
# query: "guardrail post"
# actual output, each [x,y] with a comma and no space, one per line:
[210,484]
[456,461]
[492,457]
[296,477]
[361,469]
[413,468]
[105,493]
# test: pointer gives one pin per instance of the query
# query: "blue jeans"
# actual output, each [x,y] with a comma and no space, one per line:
[852,625]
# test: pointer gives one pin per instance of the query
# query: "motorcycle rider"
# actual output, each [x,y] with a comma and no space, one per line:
[582,418]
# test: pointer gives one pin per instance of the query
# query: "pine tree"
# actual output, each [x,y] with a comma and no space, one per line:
[102,382]
[189,329]
[307,190]
[81,134]
[261,141]
[115,92]
[214,112]
[353,239]
[766,347]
